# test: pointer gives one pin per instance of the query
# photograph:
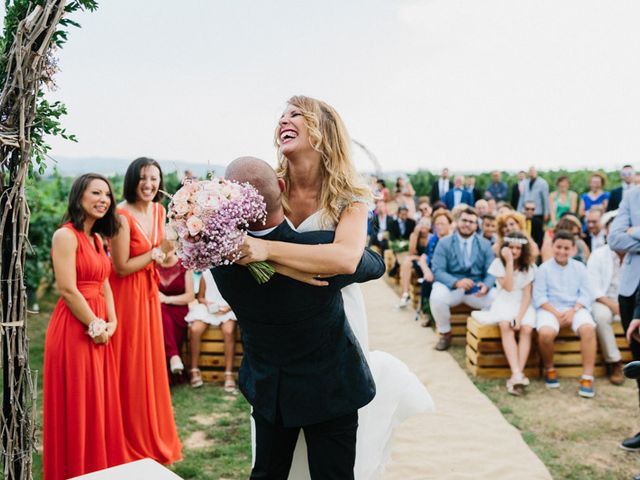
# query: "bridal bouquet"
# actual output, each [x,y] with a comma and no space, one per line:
[210,219]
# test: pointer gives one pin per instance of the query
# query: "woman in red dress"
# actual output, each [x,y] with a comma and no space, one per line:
[82,424]
[144,386]
[176,292]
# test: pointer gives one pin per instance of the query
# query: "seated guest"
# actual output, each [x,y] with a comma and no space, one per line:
[492,206]
[627,175]
[595,196]
[596,234]
[482,208]
[470,186]
[416,260]
[534,226]
[605,270]
[511,309]
[458,194]
[176,292]
[503,207]
[379,225]
[401,226]
[497,189]
[442,226]
[424,208]
[562,296]
[489,228]
[568,223]
[212,309]
[460,269]
[510,222]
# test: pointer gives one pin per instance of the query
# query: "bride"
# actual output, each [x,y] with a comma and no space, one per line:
[324,192]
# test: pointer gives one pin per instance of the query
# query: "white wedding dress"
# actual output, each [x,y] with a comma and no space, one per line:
[399,393]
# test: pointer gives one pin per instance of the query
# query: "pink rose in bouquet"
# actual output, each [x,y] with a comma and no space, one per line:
[210,219]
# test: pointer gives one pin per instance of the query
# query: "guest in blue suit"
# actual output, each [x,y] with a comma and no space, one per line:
[460,268]
[458,194]
[624,236]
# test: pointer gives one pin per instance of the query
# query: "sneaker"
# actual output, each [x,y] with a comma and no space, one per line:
[586,388]
[176,365]
[551,379]
[631,444]
[404,300]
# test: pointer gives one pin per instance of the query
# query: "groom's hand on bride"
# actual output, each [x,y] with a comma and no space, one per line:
[253,250]
[304,277]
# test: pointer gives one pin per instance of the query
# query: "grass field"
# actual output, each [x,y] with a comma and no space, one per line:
[213,426]
[576,438]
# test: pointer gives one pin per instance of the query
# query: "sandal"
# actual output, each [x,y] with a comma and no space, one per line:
[229,382]
[196,378]
[515,386]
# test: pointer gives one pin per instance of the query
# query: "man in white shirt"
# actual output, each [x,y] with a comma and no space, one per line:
[605,270]
[440,187]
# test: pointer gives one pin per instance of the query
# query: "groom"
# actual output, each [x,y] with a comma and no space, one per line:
[302,366]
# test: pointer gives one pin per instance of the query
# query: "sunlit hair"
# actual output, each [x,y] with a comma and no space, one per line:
[108,225]
[526,258]
[568,223]
[442,212]
[503,218]
[341,184]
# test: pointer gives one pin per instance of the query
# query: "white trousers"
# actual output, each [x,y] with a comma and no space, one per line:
[442,299]
[607,339]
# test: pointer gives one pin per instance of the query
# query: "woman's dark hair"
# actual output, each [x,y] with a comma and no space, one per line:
[108,225]
[381,183]
[526,259]
[562,178]
[132,178]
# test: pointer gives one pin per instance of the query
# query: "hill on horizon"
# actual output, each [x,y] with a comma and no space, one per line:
[68,166]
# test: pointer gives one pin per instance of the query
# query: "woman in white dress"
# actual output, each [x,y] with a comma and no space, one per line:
[211,309]
[324,192]
[511,309]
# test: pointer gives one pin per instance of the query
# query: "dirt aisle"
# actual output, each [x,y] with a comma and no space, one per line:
[466,437]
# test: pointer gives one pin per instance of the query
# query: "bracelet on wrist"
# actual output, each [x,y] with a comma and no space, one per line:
[97,327]
[157,255]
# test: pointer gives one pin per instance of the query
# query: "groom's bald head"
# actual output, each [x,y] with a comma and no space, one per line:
[259,174]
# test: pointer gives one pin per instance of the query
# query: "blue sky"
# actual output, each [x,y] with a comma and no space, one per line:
[424,84]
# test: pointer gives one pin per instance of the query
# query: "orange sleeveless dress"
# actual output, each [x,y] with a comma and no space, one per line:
[147,413]
[81,412]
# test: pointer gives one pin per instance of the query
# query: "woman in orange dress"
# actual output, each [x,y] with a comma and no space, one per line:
[144,385]
[82,424]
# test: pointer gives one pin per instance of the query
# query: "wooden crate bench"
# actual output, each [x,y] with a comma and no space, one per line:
[567,358]
[211,361]
[485,357]
[459,315]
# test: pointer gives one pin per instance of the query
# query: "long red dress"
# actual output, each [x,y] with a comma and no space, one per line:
[144,387]
[81,414]
[172,283]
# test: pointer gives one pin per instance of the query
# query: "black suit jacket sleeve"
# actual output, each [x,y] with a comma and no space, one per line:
[615,199]
[371,266]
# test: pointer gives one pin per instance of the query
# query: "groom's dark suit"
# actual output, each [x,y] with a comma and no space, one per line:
[302,365]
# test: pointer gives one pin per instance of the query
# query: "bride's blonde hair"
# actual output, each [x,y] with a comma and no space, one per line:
[341,184]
